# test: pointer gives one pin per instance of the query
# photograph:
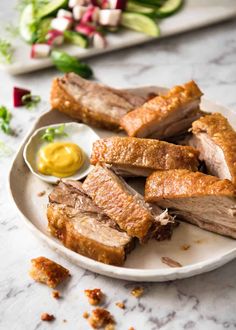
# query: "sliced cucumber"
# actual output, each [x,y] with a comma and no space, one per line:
[140,23]
[169,8]
[138,8]
[155,4]
[50,8]
[76,38]
[26,20]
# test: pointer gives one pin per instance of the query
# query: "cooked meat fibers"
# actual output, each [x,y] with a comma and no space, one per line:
[83,227]
[129,156]
[92,103]
[216,140]
[165,116]
[126,207]
[201,199]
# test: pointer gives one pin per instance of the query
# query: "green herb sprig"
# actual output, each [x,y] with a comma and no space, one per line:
[31,101]
[52,132]
[5,118]
[6,51]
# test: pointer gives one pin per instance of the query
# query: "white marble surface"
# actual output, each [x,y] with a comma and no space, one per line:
[203,302]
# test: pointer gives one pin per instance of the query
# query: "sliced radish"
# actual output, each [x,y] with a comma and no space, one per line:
[40,50]
[78,12]
[110,17]
[55,38]
[99,41]
[105,4]
[73,3]
[117,4]
[18,94]
[61,24]
[87,30]
[91,15]
[64,13]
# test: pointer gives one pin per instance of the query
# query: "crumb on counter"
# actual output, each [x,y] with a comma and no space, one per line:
[120,304]
[131,328]
[64,321]
[170,262]
[85,315]
[185,247]
[95,296]
[56,294]
[101,318]
[137,291]
[41,193]
[47,317]
[46,271]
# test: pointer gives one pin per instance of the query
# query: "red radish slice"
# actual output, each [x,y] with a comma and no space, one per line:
[91,15]
[105,4]
[78,12]
[117,4]
[18,93]
[40,50]
[110,17]
[64,13]
[99,41]
[95,3]
[87,30]
[55,38]
[61,24]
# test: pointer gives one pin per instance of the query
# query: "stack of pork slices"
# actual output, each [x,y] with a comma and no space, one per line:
[168,140]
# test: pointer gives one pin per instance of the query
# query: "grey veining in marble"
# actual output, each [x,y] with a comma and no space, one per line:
[203,302]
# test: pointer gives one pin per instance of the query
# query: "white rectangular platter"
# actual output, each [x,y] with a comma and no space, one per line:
[207,250]
[195,14]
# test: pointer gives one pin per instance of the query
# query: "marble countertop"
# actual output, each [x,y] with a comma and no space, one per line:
[202,302]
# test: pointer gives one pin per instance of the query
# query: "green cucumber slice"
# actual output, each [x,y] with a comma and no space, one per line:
[140,23]
[138,8]
[76,39]
[50,8]
[169,8]
[26,20]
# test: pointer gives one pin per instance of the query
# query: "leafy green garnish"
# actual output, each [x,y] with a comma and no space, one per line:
[30,101]
[36,3]
[5,151]
[5,118]
[67,63]
[6,51]
[52,132]
[12,30]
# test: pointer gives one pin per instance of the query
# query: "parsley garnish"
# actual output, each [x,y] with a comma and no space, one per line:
[5,118]
[52,132]
[6,51]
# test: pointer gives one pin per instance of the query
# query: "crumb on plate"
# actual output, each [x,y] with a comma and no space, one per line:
[95,296]
[120,304]
[41,193]
[56,294]
[185,247]
[170,262]
[137,291]
[48,272]
[47,317]
[85,315]
[101,318]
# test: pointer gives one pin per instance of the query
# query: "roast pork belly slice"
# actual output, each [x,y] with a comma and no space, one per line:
[201,199]
[216,140]
[92,103]
[82,226]
[165,116]
[126,207]
[130,156]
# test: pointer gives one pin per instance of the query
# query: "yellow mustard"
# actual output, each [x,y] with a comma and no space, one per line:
[60,159]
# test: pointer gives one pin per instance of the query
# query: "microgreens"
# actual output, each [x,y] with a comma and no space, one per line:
[5,118]
[30,101]
[52,132]
[6,51]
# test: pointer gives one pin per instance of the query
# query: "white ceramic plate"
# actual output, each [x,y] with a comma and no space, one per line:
[207,250]
[196,14]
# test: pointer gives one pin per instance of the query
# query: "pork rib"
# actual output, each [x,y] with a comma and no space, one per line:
[90,102]
[201,199]
[129,156]
[126,207]
[165,116]
[82,226]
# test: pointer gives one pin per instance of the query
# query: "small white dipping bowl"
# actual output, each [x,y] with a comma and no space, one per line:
[80,134]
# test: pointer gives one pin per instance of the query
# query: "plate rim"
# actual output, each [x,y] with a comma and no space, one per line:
[132,274]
